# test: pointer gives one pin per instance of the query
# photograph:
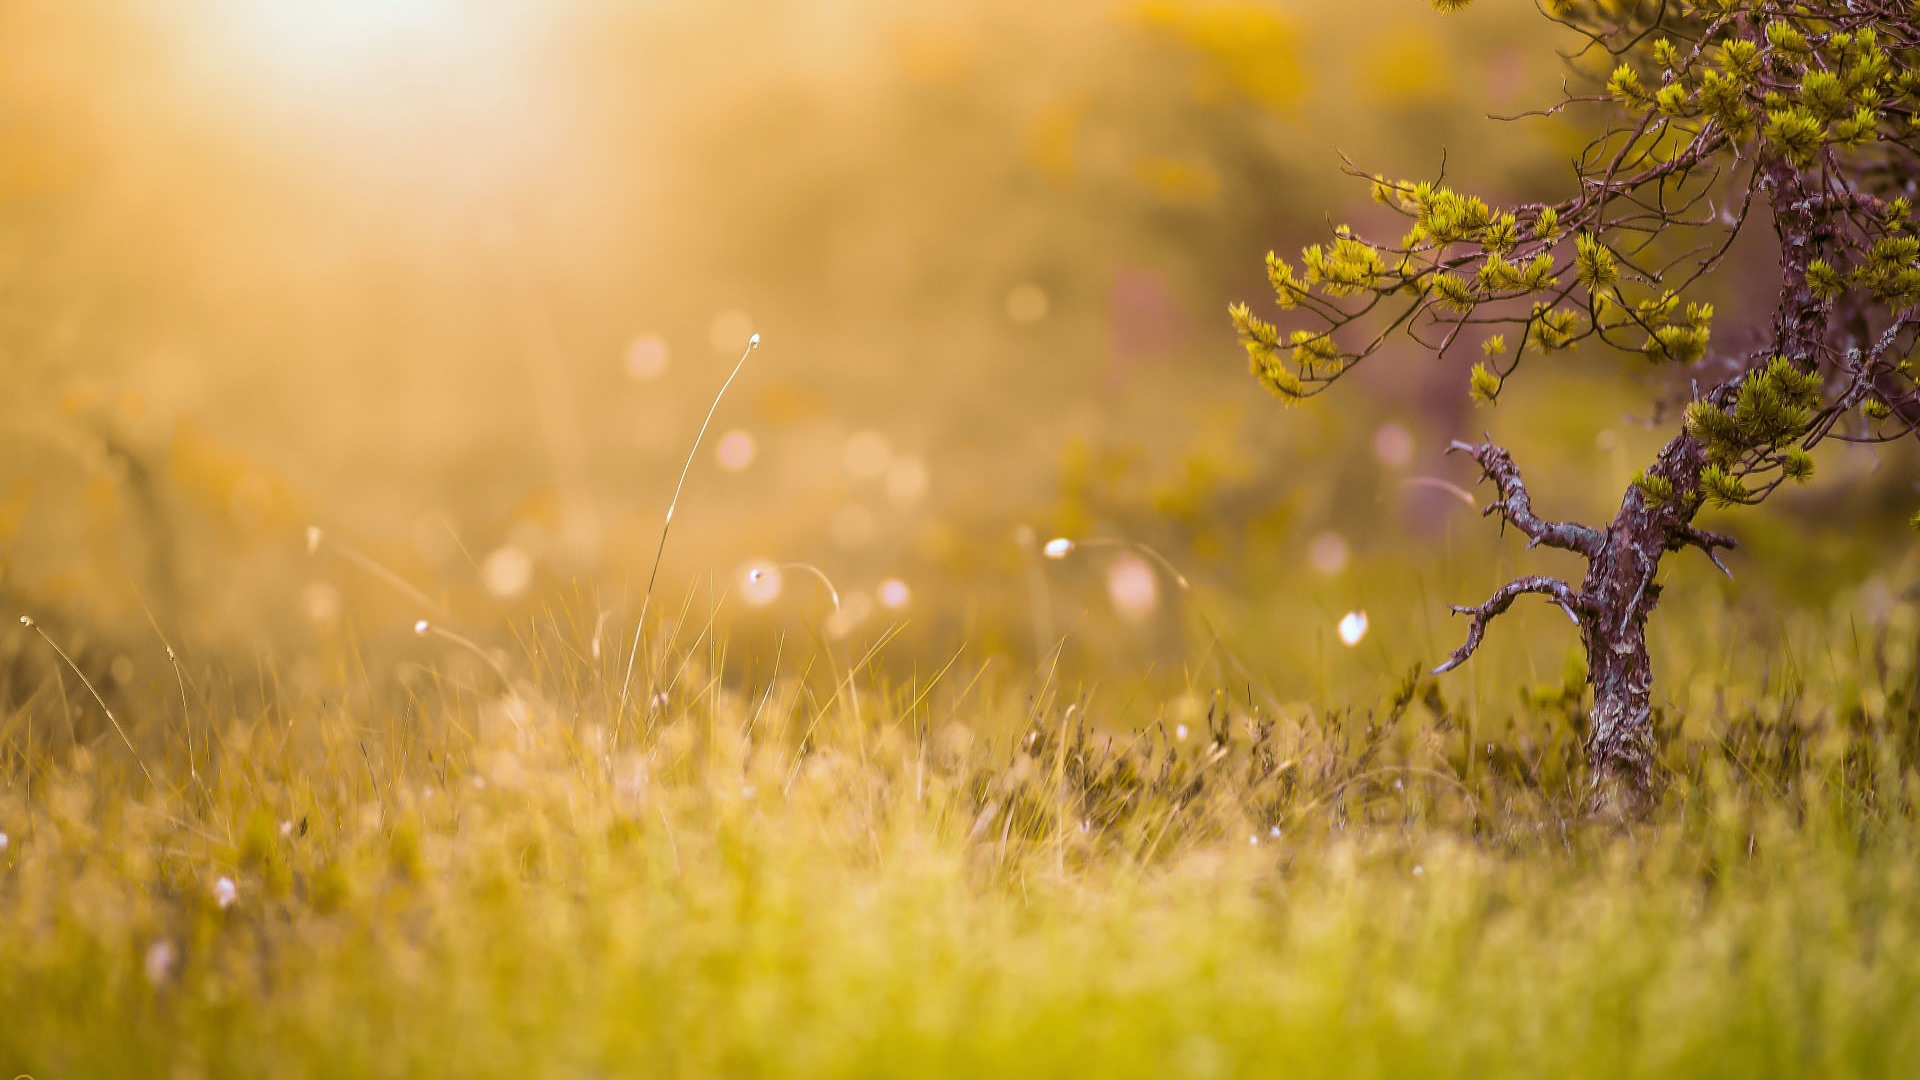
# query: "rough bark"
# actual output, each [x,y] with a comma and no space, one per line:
[1620,746]
[1620,591]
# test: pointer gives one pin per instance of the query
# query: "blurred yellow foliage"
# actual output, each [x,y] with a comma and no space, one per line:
[1178,180]
[1255,47]
[1404,66]
[228,486]
[1051,135]
[936,52]
[300,278]
[13,509]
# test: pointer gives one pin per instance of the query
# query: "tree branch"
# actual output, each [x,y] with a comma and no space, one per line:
[1516,506]
[1905,403]
[1569,599]
[1682,536]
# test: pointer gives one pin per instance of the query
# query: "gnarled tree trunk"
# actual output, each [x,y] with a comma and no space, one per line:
[1611,607]
[1620,747]
[1620,588]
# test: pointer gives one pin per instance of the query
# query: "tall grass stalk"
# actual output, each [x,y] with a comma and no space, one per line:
[646,599]
[28,622]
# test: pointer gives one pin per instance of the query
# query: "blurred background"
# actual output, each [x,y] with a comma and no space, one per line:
[454,282]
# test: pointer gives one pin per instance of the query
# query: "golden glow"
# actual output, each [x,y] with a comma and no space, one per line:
[374,63]
[403,105]
[305,38]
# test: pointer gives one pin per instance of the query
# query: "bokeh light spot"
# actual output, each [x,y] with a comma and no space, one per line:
[760,583]
[507,572]
[735,450]
[321,602]
[855,608]
[1132,588]
[907,481]
[894,594]
[647,358]
[868,453]
[1328,554]
[1393,445]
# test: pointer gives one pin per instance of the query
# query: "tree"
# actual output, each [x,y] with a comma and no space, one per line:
[1720,116]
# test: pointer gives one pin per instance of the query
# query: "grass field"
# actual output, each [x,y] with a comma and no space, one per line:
[837,873]
[453,292]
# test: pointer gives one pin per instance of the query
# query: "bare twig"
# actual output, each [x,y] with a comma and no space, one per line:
[1516,506]
[1554,589]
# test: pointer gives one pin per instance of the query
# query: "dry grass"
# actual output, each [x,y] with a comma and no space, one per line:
[783,877]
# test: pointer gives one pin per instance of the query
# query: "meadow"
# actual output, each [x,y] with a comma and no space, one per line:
[838,873]
[428,652]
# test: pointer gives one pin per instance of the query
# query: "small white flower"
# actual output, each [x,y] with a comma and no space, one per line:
[1058,548]
[1274,832]
[763,584]
[1353,627]
[422,626]
[1180,732]
[1254,839]
[1419,870]
[3,841]
[225,892]
[286,828]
